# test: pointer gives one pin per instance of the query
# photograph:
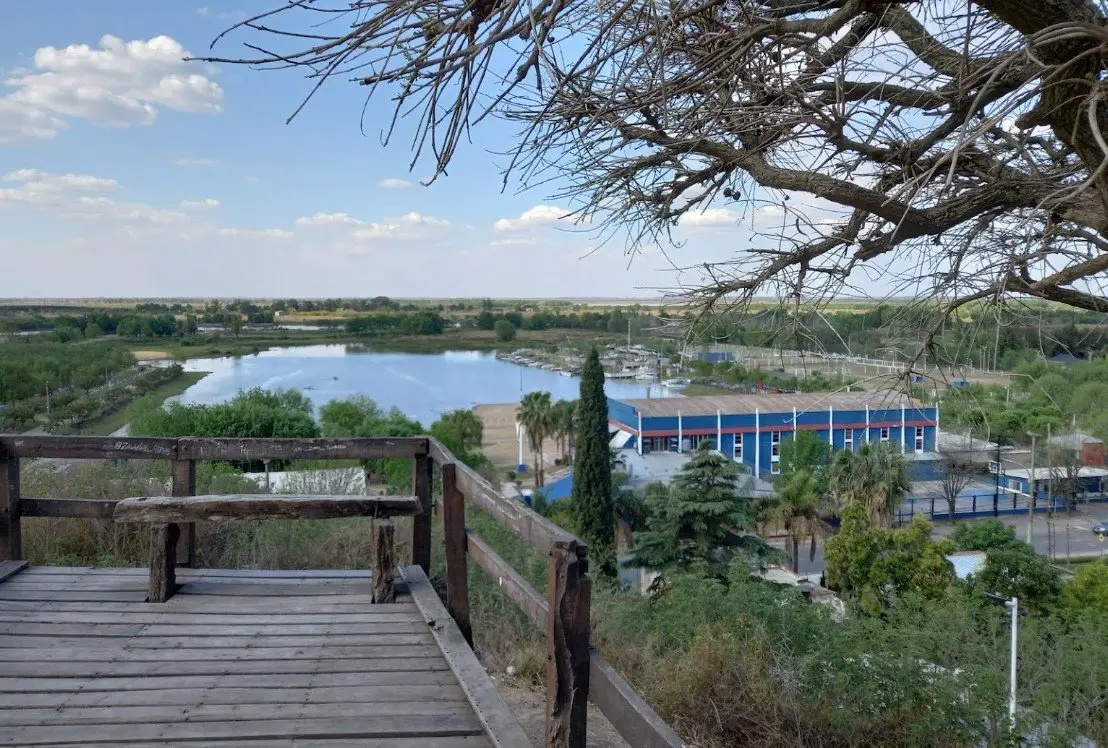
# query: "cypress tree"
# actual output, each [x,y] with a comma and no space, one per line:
[592,504]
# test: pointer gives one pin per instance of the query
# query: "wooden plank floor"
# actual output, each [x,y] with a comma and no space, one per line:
[238,658]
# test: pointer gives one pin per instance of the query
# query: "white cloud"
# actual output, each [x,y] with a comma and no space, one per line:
[205,204]
[188,161]
[120,83]
[256,233]
[525,241]
[328,219]
[20,122]
[536,216]
[711,217]
[394,184]
[202,11]
[35,180]
[409,226]
[251,180]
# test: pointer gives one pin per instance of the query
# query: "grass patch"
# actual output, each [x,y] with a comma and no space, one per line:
[115,420]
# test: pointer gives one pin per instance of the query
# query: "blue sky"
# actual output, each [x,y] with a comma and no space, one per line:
[127,172]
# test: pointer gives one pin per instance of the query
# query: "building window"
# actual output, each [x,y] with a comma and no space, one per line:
[656,444]
[884,433]
[696,439]
[848,440]
[775,452]
[919,438]
[738,454]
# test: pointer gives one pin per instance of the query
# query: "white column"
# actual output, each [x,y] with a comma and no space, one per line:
[757,443]
[794,423]
[719,432]
[831,426]
[641,437]
[680,434]
[867,424]
[519,432]
[936,426]
[903,441]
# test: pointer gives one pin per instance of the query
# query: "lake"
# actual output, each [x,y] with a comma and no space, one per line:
[423,386]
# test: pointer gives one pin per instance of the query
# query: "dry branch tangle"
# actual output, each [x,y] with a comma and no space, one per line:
[963,141]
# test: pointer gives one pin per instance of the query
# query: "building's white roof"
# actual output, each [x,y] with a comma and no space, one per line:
[966,562]
[950,441]
[1046,471]
[771,402]
[1075,440]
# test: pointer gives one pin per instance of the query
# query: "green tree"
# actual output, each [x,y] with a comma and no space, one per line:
[699,520]
[804,451]
[874,476]
[799,499]
[505,331]
[1088,589]
[462,432]
[360,416]
[984,535]
[234,323]
[874,564]
[563,423]
[592,501]
[534,415]
[1019,572]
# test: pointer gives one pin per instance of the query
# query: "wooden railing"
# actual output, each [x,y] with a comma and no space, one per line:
[575,673]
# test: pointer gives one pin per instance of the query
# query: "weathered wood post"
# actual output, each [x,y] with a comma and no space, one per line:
[184,484]
[11,542]
[454,530]
[163,562]
[384,561]
[422,478]
[567,639]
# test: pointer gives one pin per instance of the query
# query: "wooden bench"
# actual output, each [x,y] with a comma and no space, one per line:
[166,513]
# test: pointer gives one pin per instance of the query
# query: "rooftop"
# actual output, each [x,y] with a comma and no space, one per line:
[1074,440]
[1045,472]
[768,402]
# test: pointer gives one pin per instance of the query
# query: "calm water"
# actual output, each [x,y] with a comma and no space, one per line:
[423,386]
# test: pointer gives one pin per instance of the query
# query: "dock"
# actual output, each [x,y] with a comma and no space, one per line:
[243,658]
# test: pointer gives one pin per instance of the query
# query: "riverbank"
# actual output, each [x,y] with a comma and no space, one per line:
[117,419]
[453,339]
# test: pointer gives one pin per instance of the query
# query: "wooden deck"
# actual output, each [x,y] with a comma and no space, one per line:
[243,658]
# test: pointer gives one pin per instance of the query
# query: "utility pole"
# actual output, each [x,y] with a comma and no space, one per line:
[1031,499]
[996,489]
[1014,604]
[1049,475]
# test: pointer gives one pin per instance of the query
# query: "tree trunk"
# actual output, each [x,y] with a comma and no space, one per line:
[796,554]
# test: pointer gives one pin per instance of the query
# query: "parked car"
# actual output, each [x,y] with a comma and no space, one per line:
[1101,528]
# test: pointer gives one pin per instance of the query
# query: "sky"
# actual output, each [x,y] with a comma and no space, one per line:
[127,172]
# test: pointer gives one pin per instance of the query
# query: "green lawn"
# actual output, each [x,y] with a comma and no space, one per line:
[110,422]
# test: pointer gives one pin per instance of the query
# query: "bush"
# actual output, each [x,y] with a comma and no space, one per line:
[505,331]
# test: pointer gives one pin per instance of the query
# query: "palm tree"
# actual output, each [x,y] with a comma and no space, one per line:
[798,506]
[562,422]
[874,476]
[535,415]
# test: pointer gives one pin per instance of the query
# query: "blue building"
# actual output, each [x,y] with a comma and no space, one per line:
[751,428]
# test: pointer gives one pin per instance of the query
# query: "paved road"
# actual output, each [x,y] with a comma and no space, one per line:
[1080,541]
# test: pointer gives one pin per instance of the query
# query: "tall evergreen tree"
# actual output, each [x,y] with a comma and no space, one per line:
[592,505]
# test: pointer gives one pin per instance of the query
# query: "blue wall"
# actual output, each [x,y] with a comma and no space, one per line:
[818,422]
